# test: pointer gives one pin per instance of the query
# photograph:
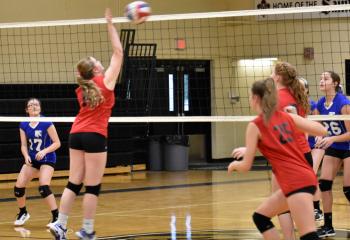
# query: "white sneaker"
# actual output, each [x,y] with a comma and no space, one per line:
[21,219]
[83,235]
[58,231]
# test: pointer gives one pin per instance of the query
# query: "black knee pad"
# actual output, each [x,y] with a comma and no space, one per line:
[346,191]
[45,191]
[262,222]
[310,236]
[74,187]
[95,190]
[19,192]
[325,185]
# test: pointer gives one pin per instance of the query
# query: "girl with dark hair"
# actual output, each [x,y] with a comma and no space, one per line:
[274,133]
[336,145]
[39,141]
[88,136]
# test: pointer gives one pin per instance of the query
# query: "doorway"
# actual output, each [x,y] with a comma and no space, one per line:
[182,88]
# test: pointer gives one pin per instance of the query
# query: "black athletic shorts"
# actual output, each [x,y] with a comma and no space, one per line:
[308,189]
[308,157]
[341,154]
[37,164]
[89,142]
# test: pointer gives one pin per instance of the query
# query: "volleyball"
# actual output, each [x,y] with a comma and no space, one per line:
[137,11]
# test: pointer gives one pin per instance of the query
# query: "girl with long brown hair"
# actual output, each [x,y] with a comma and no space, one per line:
[274,133]
[291,98]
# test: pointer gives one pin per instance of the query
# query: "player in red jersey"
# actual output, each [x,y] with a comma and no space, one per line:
[274,133]
[291,98]
[88,136]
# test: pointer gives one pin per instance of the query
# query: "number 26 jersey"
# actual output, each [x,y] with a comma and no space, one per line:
[334,128]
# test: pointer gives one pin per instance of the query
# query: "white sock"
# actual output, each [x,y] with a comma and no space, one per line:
[62,219]
[88,225]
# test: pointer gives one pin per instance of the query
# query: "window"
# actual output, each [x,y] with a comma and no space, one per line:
[171,92]
[186,93]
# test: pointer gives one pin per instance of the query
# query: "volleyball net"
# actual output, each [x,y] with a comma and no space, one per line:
[177,68]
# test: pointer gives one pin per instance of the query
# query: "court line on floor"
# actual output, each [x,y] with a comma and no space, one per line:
[243,233]
[152,188]
[152,209]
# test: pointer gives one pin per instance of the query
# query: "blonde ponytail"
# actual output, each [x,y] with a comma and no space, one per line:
[92,95]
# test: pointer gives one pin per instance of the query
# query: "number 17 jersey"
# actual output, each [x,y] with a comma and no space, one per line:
[334,128]
[38,139]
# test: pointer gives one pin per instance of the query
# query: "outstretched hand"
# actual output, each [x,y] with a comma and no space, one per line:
[238,153]
[108,15]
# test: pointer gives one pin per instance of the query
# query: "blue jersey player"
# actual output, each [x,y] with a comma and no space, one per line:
[336,144]
[39,140]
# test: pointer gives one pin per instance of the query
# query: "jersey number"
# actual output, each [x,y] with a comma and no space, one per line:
[37,141]
[284,133]
[332,128]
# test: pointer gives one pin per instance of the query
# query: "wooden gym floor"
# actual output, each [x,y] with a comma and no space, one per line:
[163,205]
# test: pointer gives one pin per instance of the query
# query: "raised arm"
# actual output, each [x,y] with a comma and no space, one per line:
[112,72]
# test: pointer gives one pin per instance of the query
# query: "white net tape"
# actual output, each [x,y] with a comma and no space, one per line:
[170,119]
[167,17]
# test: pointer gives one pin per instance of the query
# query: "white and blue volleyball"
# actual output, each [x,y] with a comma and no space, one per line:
[137,11]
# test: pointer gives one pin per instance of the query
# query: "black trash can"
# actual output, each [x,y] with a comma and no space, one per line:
[155,153]
[175,152]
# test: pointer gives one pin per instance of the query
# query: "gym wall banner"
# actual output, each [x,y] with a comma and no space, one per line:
[273,4]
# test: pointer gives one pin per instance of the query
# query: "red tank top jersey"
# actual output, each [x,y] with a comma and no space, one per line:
[285,99]
[94,120]
[278,144]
